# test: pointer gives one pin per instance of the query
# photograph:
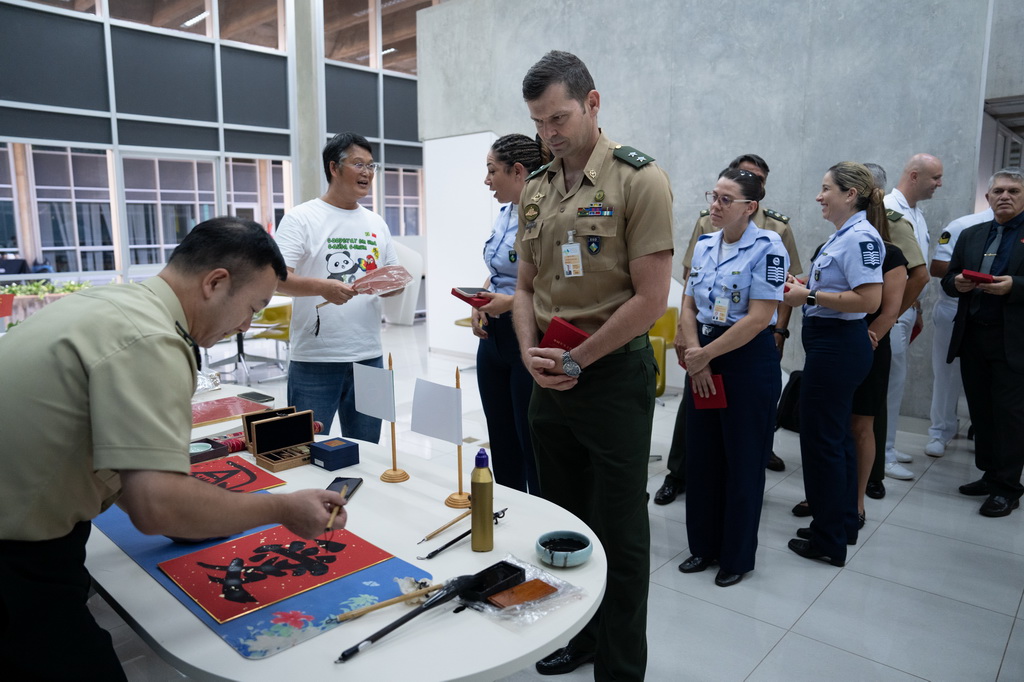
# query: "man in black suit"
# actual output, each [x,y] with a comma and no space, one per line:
[987,333]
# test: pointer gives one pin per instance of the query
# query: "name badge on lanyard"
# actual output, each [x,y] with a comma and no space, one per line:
[572,258]
[720,314]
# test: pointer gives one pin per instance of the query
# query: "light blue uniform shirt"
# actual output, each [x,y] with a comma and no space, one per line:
[500,255]
[756,270]
[851,257]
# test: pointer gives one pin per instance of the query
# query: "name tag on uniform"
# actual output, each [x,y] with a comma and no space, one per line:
[572,260]
[720,314]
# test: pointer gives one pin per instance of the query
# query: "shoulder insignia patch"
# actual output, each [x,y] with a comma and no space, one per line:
[633,157]
[893,216]
[705,213]
[775,215]
[944,237]
[538,171]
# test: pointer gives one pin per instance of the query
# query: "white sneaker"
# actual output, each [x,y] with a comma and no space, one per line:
[897,470]
[898,456]
[936,448]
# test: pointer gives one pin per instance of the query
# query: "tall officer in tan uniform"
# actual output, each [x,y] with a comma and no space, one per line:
[595,245]
[766,219]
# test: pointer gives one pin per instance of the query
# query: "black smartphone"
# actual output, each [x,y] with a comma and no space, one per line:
[257,397]
[340,482]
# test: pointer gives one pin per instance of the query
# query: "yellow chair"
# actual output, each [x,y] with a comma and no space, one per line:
[662,334]
[275,323]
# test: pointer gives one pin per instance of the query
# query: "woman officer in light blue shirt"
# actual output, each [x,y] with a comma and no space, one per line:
[732,295]
[844,284]
[505,384]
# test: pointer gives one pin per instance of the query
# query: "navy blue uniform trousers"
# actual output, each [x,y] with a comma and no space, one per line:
[593,444]
[727,450]
[505,388]
[838,359]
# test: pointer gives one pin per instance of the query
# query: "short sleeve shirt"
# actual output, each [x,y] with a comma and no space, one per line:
[766,219]
[755,270]
[618,212]
[851,257]
[500,255]
[96,383]
[901,235]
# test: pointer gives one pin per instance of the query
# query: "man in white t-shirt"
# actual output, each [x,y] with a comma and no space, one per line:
[328,244]
[920,178]
[946,384]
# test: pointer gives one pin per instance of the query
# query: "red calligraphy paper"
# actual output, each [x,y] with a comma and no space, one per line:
[222,409]
[235,474]
[256,570]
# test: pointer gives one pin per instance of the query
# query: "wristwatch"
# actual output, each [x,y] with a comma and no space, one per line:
[782,331]
[812,298]
[570,366]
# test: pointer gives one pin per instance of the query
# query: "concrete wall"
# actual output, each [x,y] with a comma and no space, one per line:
[802,83]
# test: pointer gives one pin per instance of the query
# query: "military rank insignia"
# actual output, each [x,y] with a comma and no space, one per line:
[870,256]
[944,238]
[595,209]
[531,211]
[775,271]
[594,245]
[736,297]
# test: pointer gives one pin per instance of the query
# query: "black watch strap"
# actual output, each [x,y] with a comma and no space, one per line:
[781,330]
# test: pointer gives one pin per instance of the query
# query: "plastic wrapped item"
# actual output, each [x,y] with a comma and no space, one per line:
[530,612]
[383,280]
[207,381]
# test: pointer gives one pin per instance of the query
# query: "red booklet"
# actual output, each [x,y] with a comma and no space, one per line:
[712,402]
[561,334]
[468,294]
[979,277]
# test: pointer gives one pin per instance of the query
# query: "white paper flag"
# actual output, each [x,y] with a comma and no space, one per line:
[437,411]
[375,391]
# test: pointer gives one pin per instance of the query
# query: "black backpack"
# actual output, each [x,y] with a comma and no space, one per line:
[788,416]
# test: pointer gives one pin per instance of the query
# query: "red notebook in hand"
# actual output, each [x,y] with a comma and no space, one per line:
[712,402]
[979,277]
[561,334]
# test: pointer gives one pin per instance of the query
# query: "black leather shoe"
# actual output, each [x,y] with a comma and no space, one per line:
[696,564]
[775,464]
[979,487]
[726,579]
[875,490]
[809,550]
[802,509]
[565,660]
[805,533]
[669,491]
[998,505]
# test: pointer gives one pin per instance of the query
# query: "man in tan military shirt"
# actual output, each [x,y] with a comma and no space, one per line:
[767,219]
[595,248]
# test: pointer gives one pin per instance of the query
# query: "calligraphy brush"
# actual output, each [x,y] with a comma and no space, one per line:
[451,523]
[334,512]
[453,588]
[497,515]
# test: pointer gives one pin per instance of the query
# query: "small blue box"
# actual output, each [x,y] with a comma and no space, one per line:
[334,453]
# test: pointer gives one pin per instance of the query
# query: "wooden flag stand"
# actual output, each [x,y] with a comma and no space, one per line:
[460,499]
[394,474]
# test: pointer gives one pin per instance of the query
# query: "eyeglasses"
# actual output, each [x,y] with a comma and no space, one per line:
[360,166]
[725,201]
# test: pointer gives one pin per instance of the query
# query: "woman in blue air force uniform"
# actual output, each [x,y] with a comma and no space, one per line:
[844,284]
[735,286]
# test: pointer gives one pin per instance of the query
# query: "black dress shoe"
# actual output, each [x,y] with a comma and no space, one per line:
[998,505]
[696,564]
[875,490]
[809,550]
[805,533]
[726,579]
[802,509]
[669,491]
[565,660]
[979,487]
[775,464]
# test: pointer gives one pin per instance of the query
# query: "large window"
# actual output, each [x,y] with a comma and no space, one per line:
[402,205]
[256,22]
[8,224]
[73,205]
[256,190]
[191,16]
[165,199]
[350,32]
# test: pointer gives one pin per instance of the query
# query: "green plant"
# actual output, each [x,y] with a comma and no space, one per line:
[41,287]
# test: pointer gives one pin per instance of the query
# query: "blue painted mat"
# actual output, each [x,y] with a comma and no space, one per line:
[280,626]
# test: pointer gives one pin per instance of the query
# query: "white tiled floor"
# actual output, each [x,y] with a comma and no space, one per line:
[932,591]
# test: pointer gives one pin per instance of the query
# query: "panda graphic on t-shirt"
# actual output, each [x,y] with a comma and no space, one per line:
[342,266]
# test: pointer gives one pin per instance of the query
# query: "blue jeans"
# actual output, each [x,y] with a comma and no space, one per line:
[326,387]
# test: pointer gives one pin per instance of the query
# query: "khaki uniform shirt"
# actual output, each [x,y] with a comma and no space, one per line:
[901,234]
[619,212]
[95,383]
[764,218]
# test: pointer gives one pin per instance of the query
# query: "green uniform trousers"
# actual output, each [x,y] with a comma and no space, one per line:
[593,445]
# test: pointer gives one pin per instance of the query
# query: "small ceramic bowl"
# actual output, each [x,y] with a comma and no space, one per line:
[564,548]
[196,448]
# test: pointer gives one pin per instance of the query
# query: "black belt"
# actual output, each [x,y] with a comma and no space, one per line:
[713,331]
[636,344]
